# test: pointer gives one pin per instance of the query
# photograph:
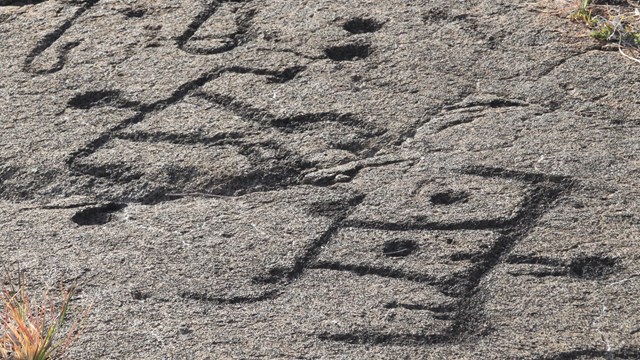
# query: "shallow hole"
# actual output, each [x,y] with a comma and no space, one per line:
[463,256]
[96,215]
[185,330]
[90,99]
[593,267]
[274,276]
[449,197]
[399,248]
[348,52]
[139,295]
[134,13]
[362,25]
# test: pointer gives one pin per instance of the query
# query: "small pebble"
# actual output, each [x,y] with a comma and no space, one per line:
[342,178]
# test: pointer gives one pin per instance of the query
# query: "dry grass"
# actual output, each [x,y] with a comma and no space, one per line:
[613,21]
[35,330]
[616,22]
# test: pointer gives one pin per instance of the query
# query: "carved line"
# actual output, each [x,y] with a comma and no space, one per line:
[48,40]
[235,39]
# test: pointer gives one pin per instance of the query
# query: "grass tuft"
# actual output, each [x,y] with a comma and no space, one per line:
[613,21]
[35,330]
[583,13]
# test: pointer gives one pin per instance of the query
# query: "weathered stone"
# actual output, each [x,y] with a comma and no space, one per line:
[356,179]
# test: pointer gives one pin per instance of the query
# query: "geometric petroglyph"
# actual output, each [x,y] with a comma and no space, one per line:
[239,148]
[414,250]
[444,233]
[219,27]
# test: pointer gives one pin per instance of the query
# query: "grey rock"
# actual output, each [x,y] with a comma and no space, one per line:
[277,179]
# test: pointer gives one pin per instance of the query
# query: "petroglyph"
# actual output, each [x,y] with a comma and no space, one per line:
[273,179]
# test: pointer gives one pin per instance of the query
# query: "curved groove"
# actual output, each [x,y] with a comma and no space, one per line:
[48,40]
[235,39]
[223,138]
[190,295]
[533,178]
[383,271]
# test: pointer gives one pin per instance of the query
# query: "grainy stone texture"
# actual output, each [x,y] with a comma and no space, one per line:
[323,179]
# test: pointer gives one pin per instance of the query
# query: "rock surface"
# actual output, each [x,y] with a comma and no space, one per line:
[320,179]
